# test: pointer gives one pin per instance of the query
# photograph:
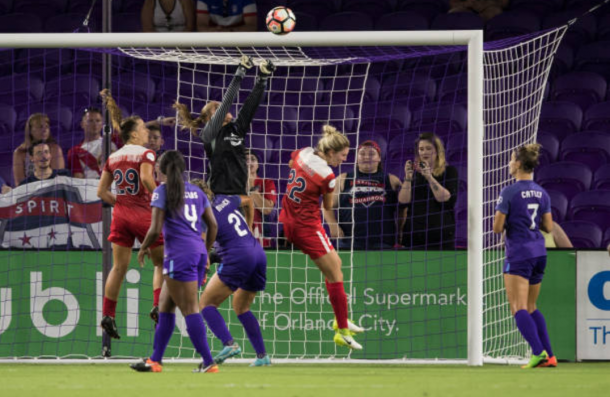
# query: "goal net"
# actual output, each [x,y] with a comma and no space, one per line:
[417,300]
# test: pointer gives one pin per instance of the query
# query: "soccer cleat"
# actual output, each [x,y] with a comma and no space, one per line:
[267,68]
[536,361]
[261,362]
[227,352]
[109,326]
[343,337]
[246,62]
[147,366]
[353,328]
[154,314]
[210,369]
[550,363]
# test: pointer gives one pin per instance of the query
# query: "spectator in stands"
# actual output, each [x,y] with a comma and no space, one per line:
[85,159]
[36,129]
[430,194]
[4,187]
[40,153]
[264,196]
[155,139]
[168,16]
[557,238]
[486,9]
[368,199]
[226,16]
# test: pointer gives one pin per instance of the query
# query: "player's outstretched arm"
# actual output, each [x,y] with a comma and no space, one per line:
[211,129]
[246,114]
[103,188]
[210,221]
[154,231]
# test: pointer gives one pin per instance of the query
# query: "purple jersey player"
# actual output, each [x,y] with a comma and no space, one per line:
[179,208]
[523,209]
[242,273]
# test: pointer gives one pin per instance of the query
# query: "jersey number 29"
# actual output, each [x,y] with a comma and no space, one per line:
[131,178]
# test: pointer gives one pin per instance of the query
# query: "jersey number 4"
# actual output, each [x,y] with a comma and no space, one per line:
[299,186]
[131,178]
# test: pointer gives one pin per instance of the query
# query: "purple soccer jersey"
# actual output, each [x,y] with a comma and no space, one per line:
[182,231]
[233,232]
[523,203]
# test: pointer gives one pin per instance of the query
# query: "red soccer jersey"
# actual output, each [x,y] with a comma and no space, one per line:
[310,178]
[124,165]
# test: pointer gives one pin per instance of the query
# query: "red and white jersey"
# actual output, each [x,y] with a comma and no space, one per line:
[124,165]
[85,157]
[310,178]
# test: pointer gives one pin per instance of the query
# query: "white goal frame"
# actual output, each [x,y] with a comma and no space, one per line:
[473,39]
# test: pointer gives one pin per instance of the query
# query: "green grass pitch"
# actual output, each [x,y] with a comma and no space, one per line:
[287,380]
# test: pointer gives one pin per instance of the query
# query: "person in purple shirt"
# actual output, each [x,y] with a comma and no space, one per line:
[242,273]
[523,209]
[179,208]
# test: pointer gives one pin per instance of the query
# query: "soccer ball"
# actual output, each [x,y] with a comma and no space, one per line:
[281,20]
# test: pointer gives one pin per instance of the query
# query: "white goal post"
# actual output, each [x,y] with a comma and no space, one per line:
[472,39]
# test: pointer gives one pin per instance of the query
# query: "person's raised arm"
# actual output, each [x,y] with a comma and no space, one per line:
[210,221]
[404,195]
[211,129]
[246,113]
[154,231]
[147,176]
[248,206]
[103,188]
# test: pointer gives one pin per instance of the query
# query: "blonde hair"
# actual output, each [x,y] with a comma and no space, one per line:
[186,119]
[441,163]
[28,128]
[331,140]
[200,183]
[528,156]
[125,126]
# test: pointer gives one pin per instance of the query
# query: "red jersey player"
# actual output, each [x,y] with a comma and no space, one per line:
[310,177]
[131,168]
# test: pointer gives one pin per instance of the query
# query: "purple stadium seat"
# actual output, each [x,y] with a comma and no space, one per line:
[318,8]
[581,5]
[425,8]
[400,149]
[347,21]
[6,6]
[593,206]
[19,90]
[73,89]
[567,177]
[402,20]
[453,89]
[43,8]
[590,148]
[582,88]
[275,120]
[603,27]
[550,148]
[581,32]
[8,118]
[441,120]
[597,117]
[296,91]
[409,88]
[560,118]
[133,87]
[562,63]
[458,21]
[20,23]
[538,7]
[67,23]
[594,57]
[606,240]
[457,149]
[305,22]
[583,234]
[311,119]
[559,205]
[347,90]
[601,179]
[510,24]
[127,22]
[60,116]
[373,8]
[385,118]
[263,145]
